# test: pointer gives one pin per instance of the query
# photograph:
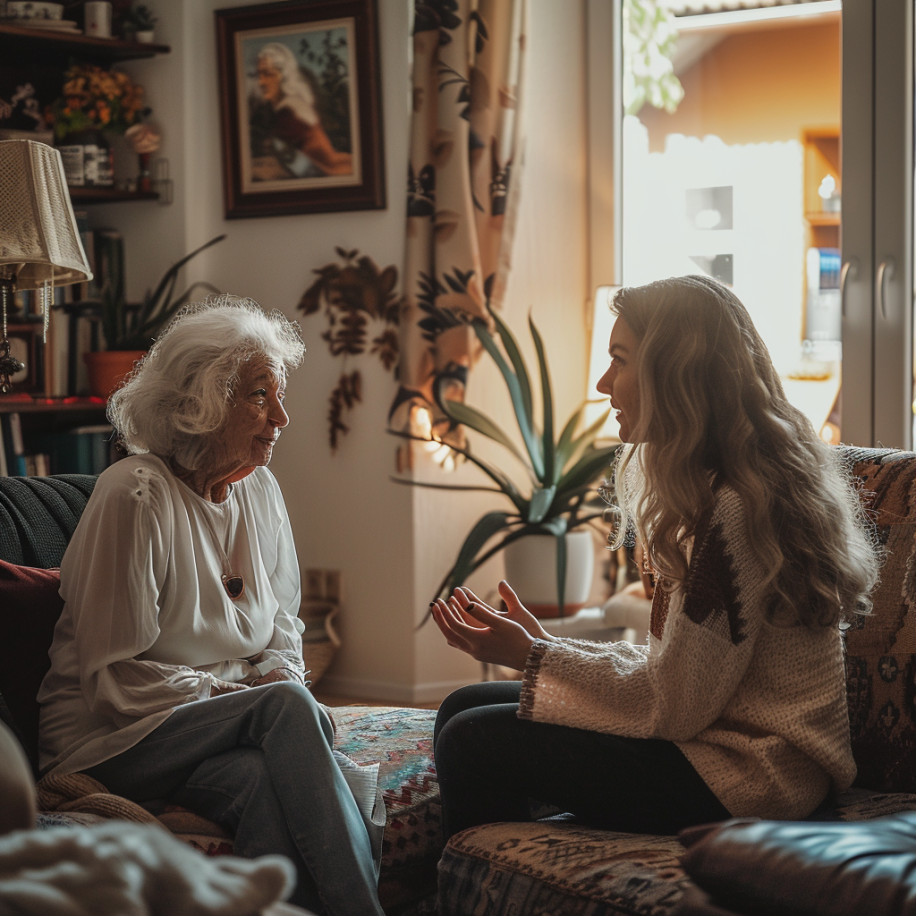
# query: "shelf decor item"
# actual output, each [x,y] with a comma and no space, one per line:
[95,102]
[40,246]
[561,492]
[301,108]
[139,23]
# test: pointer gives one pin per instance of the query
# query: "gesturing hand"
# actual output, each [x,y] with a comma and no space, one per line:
[515,610]
[485,634]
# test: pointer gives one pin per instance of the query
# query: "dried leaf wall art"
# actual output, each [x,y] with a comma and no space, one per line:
[362,311]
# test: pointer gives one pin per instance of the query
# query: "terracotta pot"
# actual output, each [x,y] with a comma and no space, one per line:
[109,368]
[531,569]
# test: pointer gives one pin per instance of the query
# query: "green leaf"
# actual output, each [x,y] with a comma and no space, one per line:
[586,469]
[579,444]
[548,448]
[540,502]
[443,486]
[564,446]
[521,405]
[518,362]
[496,476]
[480,422]
[488,526]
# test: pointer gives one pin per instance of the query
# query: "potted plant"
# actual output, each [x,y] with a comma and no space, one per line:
[129,329]
[139,23]
[560,497]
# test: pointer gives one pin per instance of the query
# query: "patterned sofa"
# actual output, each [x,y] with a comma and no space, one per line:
[552,866]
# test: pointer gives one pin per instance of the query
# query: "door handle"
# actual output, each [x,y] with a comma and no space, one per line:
[850,271]
[885,272]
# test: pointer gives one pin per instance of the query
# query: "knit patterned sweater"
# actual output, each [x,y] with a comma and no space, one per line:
[759,710]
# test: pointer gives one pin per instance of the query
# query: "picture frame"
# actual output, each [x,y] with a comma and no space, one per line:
[23,340]
[300,105]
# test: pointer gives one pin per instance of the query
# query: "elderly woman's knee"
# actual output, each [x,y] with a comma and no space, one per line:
[290,698]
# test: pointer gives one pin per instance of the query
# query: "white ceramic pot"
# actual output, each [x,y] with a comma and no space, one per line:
[531,569]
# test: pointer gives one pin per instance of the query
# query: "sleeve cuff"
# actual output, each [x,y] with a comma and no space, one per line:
[530,679]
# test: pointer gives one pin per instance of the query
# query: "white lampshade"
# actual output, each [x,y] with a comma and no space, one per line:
[39,240]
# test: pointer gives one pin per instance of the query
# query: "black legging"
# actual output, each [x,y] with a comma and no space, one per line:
[491,765]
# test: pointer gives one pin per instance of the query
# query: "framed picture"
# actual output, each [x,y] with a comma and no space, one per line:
[301,108]
[23,340]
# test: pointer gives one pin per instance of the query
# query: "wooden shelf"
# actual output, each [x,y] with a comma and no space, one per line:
[18,403]
[108,195]
[76,43]
[822,219]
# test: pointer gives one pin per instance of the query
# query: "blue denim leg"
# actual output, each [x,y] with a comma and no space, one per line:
[260,762]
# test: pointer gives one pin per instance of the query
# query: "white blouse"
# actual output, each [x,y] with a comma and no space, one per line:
[147,623]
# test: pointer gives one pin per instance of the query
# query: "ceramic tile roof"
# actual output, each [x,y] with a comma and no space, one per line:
[693,7]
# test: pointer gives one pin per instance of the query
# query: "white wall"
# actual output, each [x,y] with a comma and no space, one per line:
[392,543]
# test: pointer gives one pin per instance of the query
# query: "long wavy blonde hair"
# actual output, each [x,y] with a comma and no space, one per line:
[712,409]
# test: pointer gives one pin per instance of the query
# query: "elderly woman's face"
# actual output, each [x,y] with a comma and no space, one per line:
[256,416]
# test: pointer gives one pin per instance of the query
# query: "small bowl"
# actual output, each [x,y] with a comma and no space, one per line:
[27,9]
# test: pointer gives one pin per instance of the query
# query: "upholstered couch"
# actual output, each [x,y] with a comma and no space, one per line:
[557,866]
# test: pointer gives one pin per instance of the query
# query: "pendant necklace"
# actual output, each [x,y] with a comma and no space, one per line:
[234,584]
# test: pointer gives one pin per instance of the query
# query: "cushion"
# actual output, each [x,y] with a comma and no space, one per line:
[881,648]
[798,867]
[550,867]
[38,515]
[29,608]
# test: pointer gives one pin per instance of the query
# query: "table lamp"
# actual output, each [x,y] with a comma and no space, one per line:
[40,246]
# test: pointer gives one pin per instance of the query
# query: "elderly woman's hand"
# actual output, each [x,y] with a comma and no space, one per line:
[218,686]
[277,674]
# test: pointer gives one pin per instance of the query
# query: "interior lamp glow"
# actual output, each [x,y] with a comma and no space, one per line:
[40,246]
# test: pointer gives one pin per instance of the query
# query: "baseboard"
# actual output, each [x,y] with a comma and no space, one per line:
[386,691]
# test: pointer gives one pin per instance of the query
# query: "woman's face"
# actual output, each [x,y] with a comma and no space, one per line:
[255,418]
[269,80]
[620,382]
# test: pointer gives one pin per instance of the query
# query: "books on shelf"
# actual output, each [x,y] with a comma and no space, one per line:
[81,450]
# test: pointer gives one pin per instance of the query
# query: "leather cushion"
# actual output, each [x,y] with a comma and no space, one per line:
[797,868]
[29,608]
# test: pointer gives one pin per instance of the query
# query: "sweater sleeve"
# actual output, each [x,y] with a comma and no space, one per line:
[111,578]
[703,635]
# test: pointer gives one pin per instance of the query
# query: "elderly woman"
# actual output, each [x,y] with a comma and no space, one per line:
[176,667]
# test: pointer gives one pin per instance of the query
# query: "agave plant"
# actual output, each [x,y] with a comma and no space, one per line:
[559,495]
[130,328]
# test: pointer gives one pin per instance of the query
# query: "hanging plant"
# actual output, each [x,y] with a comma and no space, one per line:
[362,310]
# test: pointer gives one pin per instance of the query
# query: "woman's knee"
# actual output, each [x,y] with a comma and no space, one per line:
[289,698]
[474,696]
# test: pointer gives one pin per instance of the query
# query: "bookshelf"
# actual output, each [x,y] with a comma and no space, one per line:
[64,434]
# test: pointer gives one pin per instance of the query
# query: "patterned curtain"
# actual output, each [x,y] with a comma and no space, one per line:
[464,176]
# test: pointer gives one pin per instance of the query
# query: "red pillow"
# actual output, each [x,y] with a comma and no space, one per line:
[30,605]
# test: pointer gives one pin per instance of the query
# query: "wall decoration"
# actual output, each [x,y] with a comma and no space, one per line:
[358,300]
[301,108]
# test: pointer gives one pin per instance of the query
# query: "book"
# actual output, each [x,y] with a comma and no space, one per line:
[17,447]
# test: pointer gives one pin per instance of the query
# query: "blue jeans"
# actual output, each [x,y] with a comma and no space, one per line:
[259,762]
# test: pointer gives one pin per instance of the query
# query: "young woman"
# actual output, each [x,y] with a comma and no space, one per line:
[737,706]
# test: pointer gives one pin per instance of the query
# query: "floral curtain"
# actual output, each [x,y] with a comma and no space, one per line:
[464,176]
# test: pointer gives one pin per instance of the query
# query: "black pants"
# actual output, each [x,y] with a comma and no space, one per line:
[491,765]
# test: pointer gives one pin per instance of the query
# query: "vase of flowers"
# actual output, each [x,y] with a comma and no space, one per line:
[95,103]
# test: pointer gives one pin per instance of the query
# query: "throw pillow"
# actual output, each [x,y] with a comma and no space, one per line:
[806,868]
[29,608]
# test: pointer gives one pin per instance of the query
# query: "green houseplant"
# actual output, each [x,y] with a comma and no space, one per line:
[129,329]
[560,494]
